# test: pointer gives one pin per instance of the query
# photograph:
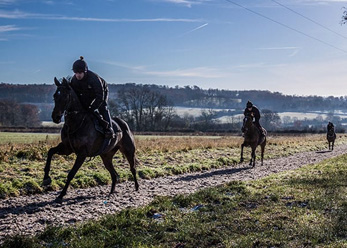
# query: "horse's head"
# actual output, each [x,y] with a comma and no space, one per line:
[61,99]
[247,121]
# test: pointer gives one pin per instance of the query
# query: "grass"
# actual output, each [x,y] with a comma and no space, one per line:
[22,164]
[301,208]
[10,138]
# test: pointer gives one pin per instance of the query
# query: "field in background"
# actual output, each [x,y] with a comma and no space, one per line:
[22,162]
[26,138]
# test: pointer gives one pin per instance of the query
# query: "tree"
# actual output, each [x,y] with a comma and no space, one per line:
[344,16]
[270,120]
[15,114]
[144,108]
[207,117]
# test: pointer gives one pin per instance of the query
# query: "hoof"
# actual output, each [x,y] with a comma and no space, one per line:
[47,181]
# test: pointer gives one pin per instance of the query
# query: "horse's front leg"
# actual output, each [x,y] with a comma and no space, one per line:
[59,149]
[241,159]
[78,163]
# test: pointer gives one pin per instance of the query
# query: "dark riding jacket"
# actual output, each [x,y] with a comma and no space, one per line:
[92,90]
[254,111]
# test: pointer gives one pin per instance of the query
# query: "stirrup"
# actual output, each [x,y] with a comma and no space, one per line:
[109,133]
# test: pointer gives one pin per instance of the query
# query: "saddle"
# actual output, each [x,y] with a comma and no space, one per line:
[262,134]
[100,125]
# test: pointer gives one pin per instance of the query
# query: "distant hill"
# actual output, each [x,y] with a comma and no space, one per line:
[188,96]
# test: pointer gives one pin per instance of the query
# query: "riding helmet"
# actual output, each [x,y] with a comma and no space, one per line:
[80,65]
[249,104]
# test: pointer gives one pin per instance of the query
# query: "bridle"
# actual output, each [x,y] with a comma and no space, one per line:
[68,113]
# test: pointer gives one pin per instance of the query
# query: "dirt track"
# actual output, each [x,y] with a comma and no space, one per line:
[30,214]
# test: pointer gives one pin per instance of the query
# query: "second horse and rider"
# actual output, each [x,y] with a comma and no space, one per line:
[252,110]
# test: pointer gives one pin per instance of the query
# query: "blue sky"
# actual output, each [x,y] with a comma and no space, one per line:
[295,47]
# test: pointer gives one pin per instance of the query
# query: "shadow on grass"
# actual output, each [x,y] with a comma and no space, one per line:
[212,173]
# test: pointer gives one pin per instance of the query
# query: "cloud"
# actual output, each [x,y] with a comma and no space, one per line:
[294,50]
[190,31]
[8,28]
[23,15]
[197,72]
[187,3]
[7,2]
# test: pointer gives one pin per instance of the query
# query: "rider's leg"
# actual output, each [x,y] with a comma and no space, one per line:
[109,133]
[260,128]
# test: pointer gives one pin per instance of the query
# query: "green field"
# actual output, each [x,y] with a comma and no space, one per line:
[22,162]
[26,138]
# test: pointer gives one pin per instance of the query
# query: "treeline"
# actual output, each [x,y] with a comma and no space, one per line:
[151,107]
[191,96]
[14,114]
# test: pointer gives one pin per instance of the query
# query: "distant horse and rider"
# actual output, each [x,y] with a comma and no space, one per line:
[87,134]
[254,134]
[331,135]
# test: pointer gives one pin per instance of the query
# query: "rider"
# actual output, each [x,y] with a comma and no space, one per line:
[254,111]
[92,90]
[330,126]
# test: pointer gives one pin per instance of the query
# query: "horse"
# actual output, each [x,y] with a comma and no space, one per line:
[79,135]
[331,136]
[252,139]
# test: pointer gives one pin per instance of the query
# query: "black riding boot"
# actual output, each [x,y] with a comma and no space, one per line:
[261,131]
[109,133]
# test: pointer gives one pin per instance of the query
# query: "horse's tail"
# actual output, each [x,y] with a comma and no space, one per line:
[122,124]
[264,131]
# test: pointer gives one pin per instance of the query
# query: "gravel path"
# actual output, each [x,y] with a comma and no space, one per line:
[31,214]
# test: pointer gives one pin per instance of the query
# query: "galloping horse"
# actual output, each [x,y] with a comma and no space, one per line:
[252,139]
[80,136]
[331,135]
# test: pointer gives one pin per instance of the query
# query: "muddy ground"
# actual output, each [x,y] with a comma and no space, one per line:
[31,214]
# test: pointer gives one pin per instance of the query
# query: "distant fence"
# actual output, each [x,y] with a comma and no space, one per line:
[162,133]
[30,129]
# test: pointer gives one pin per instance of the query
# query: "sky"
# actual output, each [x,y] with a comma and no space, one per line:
[295,47]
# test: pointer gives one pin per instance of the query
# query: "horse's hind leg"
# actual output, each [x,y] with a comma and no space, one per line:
[252,162]
[129,153]
[59,149]
[241,159]
[107,160]
[262,151]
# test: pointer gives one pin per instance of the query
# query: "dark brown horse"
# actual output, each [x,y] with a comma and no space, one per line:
[252,138]
[331,135]
[80,136]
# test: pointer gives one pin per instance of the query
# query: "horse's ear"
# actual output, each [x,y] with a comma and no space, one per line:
[65,82]
[56,81]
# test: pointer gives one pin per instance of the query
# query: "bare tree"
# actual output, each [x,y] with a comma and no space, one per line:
[270,120]
[145,108]
[15,114]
